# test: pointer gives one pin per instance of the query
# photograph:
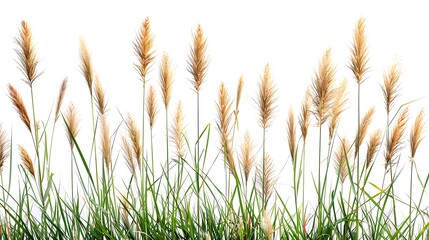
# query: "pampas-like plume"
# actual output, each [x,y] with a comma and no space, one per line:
[100,97]
[166,79]
[338,107]
[373,145]
[291,134]
[266,179]
[323,88]
[224,106]
[143,49]
[4,145]
[390,87]
[134,136]
[237,99]
[304,117]
[128,155]
[395,141]
[27,54]
[247,158]
[26,159]
[151,106]
[359,58]
[416,133]
[106,143]
[73,124]
[198,62]
[86,64]
[268,226]
[61,94]
[266,98]
[364,125]
[19,105]
[178,130]
[342,157]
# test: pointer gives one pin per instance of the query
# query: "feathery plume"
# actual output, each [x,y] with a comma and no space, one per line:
[166,79]
[151,106]
[304,118]
[100,97]
[391,87]
[266,179]
[134,135]
[26,159]
[86,64]
[143,49]
[395,141]
[373,145]
[27,54]
[198,62]
[338,107]
[416,133]
[128,155]
[106,144]
[359,58]
[223,107]
[238,98]
[4,145]
[247,158]
[323,88]
[266,98]
[61,94]
[291,134]
[178,130]
[73,124]
[342,157]
[20,108]
[268,226]
[364,125]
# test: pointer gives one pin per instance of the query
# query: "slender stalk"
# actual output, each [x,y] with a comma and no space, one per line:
[358,167]
[319,194]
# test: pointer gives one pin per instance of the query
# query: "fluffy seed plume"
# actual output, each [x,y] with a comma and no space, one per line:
[223,107]
[106,143]
[151,106]
[416,136]
[359,58]
[4,145]
[266,98]
[20,108]
[342,157]
[86,64]
[291,134]
[73,124]
[178,130]
[268,226]
[135,139]
[166,79]
[247,158]
[27,54]
[338,107]
[373,145]
[128,155]
[143,49]
[198,62]
[60,99]
[266,179]
[26,159]
[237,99]
[323,88]
[304,117]
[391,87]
[364,125]
[395,141]
[100,97]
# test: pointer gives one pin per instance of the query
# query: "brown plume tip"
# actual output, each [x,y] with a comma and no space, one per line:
[61,94]
[416,135]
[143,49]
[26,159]
[166,79]
[151,106]
[266,179]
[304,117]
[4,146]
[198,62]
[359,58]
[363,128]
[135,139]
[106,143]
[342,157]
[178,130]
[395,141]
[86,65]
[27,54]
[338,107]
[73,124]
[247,158]
[291,134]
[100,97]
[20,108]
[266,98]
[237,99]
[390,85]
[373,146]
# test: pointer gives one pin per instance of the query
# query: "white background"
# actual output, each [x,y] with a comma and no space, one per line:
[242,37]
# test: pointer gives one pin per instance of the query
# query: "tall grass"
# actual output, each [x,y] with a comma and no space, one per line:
[184,198]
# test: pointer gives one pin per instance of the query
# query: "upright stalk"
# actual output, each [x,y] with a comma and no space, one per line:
[358,167]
